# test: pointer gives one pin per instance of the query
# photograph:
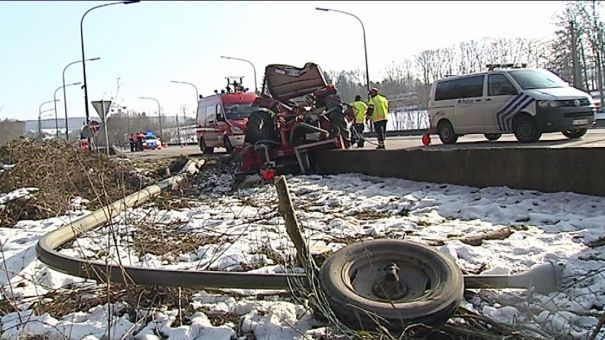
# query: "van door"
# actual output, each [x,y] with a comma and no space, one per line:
[500,92]
[221,125]
[212,124]
[468,109]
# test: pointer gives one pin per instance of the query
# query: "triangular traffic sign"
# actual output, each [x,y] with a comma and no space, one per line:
[102,107]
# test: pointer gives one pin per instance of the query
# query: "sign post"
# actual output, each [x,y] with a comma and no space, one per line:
[102,107]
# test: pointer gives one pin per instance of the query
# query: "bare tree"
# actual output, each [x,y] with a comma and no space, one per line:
[11,130]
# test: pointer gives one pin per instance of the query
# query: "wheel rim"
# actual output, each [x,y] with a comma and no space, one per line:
[525,130]
[445,132]
[390,278]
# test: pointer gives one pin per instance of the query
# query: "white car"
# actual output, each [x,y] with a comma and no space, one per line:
[151,142]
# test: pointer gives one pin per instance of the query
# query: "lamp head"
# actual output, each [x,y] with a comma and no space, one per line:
[322,9]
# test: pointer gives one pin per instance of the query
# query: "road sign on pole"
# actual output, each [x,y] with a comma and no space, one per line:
[102,107]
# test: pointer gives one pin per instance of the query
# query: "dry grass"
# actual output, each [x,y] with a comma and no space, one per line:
[61,172]
[62,302]
[168,240]
[371,215]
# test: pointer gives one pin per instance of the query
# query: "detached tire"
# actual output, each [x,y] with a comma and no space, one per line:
[432,284]
[446,132]
[492,136]
[525,130]
[574,134]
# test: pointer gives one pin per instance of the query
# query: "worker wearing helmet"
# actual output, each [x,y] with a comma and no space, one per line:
[378,111]
[360,109]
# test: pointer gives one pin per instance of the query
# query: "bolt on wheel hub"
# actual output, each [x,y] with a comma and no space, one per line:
[389,286]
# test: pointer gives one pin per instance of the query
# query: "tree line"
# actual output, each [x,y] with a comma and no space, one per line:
[574,52]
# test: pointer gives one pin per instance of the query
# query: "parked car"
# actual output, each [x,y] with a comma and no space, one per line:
[151,142]
[505,99]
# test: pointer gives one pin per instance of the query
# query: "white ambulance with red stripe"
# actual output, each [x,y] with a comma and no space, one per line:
[508,99]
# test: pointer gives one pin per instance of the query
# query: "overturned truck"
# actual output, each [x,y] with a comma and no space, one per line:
[298,112]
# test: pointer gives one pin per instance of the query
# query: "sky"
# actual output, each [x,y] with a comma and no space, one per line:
[143,46]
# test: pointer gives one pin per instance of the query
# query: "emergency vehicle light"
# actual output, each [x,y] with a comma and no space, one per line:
[491,67]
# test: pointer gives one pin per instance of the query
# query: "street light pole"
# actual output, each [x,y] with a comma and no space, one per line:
[55,99]
[84,58]
[65,95]
[40,114]
[363,29]
[251,64]
[159,115]
[197,94]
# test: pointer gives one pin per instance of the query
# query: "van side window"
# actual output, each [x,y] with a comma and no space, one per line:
[444,90]
[498,85]
[469,87]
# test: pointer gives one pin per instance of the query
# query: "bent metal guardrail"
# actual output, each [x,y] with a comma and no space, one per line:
[47,246]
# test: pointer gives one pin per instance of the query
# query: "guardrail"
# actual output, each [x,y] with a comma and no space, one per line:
[47,246]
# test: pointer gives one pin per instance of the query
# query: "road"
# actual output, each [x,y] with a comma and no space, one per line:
[594,138]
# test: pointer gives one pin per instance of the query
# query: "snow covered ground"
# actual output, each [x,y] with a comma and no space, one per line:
[242,231]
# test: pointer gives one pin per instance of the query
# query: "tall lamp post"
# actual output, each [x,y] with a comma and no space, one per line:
[363,29]
[55,99]
[197,94]
[251,64]
[65,95]
[82,46]
[159,114]
[40,114]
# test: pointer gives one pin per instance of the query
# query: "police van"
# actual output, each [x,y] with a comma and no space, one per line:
[508,99]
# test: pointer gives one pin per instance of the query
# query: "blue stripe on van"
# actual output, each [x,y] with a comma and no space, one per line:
[505,114]
[508,118]
[506,108]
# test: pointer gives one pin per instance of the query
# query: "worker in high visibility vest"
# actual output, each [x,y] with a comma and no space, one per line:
[378,111]
[360,109]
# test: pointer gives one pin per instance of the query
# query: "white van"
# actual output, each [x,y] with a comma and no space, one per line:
[524,101]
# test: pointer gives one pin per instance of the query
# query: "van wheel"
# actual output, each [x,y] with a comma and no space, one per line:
[573,134]
[392,283]
[228,144]
[205,149]
[493,136]
[525,130]
[446,133]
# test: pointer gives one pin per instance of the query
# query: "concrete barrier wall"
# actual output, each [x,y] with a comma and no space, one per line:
[580,170]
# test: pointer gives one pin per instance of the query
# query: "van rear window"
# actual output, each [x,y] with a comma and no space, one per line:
[444,90]
[467,87]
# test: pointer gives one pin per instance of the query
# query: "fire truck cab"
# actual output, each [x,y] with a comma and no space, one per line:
[222,117]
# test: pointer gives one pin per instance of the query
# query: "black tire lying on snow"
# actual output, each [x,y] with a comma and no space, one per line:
[433,280]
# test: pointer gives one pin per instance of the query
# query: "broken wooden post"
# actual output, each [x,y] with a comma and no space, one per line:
[292,228]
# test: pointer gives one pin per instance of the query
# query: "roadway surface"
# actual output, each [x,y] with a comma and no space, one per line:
[594,138]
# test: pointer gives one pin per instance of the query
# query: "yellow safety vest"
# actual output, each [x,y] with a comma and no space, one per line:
[360,108]
[381,108]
